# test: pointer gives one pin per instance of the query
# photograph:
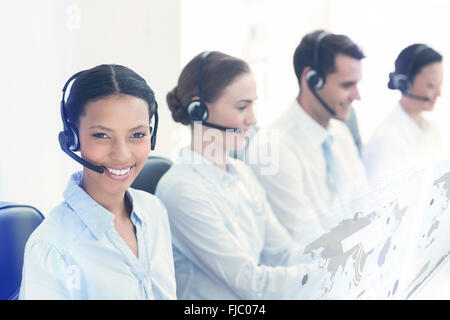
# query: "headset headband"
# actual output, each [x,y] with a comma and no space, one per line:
[319,39]
[419,49]
[152,108]
[200,74]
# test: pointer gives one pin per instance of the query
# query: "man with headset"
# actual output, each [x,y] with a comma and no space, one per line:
[318,163]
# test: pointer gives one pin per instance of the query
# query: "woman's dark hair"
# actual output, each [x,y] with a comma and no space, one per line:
[410,61]
[102,81]
[219,70]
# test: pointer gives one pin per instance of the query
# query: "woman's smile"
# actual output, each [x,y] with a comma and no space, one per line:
[119,173]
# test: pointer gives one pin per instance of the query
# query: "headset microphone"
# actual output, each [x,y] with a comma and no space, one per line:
[412,96]
[324,104]
[314,78]
[215,126]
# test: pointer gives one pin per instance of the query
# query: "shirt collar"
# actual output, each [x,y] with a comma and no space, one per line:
[207,169]
[94,216]
[311,129]
[136,210]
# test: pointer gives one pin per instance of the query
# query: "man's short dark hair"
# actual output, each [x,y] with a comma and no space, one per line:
[330,46]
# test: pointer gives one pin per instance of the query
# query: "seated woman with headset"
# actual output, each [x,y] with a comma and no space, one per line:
[106,240]
[405,140]
[227,242]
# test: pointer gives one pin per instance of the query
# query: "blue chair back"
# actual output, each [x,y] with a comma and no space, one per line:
[17,222]
[153,170]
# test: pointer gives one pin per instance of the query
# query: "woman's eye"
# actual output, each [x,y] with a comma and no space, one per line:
[100,135]
[138,135]
[242,108]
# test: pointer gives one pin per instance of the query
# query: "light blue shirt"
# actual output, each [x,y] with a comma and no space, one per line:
[76,253]
[227,242]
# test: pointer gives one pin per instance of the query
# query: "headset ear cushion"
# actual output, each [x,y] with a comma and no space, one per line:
[62,138]
[314,80]
[197,110]
[401,82]
[73,143]
[68,140]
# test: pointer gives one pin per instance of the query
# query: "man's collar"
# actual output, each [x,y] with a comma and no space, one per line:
[314,132]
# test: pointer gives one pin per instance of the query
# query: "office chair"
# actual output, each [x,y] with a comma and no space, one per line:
[17,222]
[153,170]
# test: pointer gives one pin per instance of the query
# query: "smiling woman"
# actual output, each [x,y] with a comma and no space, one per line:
[121,147]
[102,230]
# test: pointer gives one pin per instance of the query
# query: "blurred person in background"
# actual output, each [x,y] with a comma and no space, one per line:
[405,140]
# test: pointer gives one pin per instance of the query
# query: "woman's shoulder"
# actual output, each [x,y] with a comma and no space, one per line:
[58,230]
[180,178]
[386,134]
[390,126]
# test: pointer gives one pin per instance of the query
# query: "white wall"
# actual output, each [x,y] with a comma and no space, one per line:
[142,35]
[36,48]
[46,41]
[265,33]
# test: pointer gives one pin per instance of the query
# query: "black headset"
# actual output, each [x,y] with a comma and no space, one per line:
[314,76]
[403,81]
[69,140]
[197,109]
